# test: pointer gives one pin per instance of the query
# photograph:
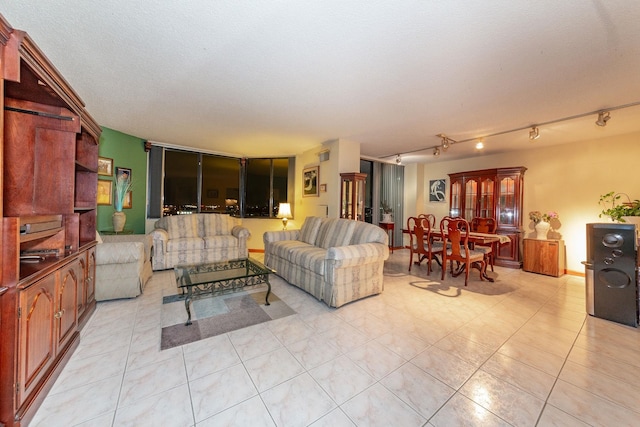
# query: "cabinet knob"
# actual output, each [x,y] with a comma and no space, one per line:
[59,314]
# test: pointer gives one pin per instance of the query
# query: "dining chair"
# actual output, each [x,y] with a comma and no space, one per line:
[456,232]
[432,223]
[486,225]
[421,242]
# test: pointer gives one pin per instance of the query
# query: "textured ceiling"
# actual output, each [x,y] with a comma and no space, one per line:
[262,78]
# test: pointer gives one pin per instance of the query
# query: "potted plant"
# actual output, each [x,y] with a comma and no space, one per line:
[122,187]
[386,212]
[619,211]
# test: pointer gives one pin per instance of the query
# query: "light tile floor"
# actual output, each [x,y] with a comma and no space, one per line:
[520,351]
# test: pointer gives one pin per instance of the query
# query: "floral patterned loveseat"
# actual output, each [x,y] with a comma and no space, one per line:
[335,260]
[197,238]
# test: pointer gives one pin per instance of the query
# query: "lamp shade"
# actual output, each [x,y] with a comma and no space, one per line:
[284,210]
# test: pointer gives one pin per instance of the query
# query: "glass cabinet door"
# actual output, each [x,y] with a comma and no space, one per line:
[485,202]
[470,199]
[507,202]
[352,195]
[455,207]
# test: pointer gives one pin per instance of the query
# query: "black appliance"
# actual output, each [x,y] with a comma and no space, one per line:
[612,254]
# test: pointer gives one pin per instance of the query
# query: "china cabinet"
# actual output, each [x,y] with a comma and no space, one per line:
[48,185]
[352,195]
[492,193]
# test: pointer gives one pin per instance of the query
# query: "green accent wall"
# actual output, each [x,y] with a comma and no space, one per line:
[127,151]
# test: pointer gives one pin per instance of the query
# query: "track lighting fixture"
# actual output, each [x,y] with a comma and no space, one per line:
[436,151]
[603,118]
[479,145]
[445,143]
[534,133]
[398,159]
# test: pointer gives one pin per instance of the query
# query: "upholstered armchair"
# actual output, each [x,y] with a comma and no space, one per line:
[123,265]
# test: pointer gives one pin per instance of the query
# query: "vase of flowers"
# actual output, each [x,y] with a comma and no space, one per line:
[387,213]
[542,222]
[122,187]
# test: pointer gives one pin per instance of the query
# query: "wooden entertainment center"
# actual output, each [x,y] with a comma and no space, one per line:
[48,182]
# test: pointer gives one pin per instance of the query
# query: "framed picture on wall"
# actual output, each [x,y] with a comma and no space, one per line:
[437,190]
[124,173]
[105,166]
[104,192]
[310,177]
[127,202]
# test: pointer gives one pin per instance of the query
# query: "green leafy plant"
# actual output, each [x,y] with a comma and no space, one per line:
[122,187]
[616,210]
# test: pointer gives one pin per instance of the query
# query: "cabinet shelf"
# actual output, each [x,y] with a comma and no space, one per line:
[39,235]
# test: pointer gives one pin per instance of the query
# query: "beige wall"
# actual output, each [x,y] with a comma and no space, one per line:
[568,179]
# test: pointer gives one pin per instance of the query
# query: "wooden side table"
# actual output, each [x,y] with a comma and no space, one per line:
[111,232]
[544,256]
[389,227]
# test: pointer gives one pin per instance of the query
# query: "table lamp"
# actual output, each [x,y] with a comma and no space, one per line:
[284,212]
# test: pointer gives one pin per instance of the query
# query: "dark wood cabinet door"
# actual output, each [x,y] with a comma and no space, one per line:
[36,335]
[66,307]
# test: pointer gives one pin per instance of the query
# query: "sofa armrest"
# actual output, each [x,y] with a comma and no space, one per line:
[160,238]
[353,255]
[120,253]
[240,232]
[276,236]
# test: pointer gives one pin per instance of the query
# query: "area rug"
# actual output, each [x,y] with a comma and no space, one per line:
[217,315]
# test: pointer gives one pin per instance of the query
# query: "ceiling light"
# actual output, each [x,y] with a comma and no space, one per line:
[479,145]
[445,143]
[436,151]
[603,118]
[534,133]
[398,159]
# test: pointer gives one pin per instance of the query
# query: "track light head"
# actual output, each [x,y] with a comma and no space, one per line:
[436,151]
[398,159]
[534,133]
[445,143]
[479,145]
[603,118]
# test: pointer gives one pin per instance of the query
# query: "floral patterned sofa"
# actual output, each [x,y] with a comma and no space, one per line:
[335,260]
[197,238]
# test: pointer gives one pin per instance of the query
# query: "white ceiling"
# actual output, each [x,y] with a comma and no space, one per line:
[263,78]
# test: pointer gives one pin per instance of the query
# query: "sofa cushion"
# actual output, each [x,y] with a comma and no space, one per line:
[309,257]
[220,242]
[185,244]
[284,248]
[335,232]
[310,228]
[368,233]
[179,226]
[216,225]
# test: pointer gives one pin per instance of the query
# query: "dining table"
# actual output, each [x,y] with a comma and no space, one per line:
[493,239]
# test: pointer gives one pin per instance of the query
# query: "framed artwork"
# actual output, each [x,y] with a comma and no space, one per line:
[323,188]
[310,176]
[104,192]
[126,203]
[437,190]
[105,166]
[123,172]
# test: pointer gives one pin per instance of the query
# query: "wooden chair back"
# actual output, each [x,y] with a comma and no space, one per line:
[483,225]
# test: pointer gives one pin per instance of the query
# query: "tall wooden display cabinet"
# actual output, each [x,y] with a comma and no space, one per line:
[493,193]
[48,184]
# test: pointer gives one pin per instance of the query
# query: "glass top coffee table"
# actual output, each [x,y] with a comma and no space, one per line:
[210,279]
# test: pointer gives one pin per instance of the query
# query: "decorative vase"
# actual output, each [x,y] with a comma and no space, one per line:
[542,229]
[387,217]
[119,219]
